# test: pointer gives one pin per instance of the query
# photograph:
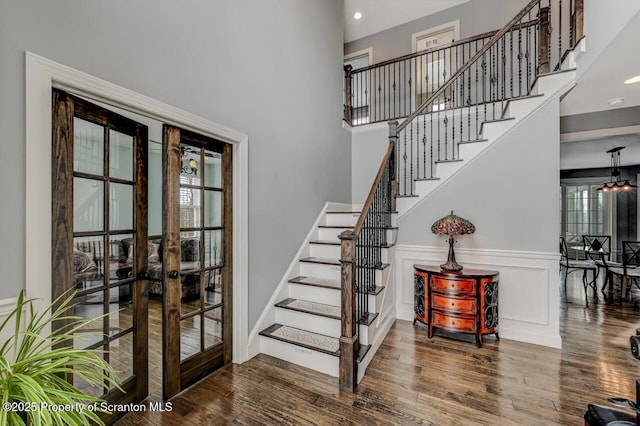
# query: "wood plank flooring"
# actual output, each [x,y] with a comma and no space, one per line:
[439,381]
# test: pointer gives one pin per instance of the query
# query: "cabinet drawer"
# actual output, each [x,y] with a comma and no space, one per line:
[453,323]
[465,305]
[453,285]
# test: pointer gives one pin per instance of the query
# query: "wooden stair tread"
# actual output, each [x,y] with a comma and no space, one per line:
[337,243]
[303,338]
[353,226]
[307,339]
[321,261]
[328,283]
[316,282]
[309,307]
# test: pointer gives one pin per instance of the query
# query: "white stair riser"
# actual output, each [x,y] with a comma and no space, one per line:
[341,219]
[470,150]
[320,270]
[330,234]
[316,294]
[319,361]
[326,251]
[309,322]
[333,252]
[523,107]
[492,130]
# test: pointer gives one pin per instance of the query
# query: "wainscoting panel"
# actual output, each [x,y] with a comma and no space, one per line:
[529,297]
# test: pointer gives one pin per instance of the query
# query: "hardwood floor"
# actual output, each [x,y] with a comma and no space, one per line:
[439,381]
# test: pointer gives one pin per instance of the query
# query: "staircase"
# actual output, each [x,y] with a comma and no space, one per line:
[338,301]
[306,328]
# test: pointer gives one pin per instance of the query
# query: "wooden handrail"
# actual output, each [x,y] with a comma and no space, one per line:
[471,39]
[374,187]
[468,64]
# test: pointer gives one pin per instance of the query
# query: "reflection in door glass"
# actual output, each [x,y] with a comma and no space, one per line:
[120,155]
[88,147]
[88,205]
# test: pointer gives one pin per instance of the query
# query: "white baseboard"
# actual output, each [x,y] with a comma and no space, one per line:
[529,297]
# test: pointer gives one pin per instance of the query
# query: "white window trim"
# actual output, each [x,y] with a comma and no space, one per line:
[456,32]
[368,51]
[42,75]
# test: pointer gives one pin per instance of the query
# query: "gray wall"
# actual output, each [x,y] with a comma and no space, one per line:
[476,17]
[271,69]
[511,194]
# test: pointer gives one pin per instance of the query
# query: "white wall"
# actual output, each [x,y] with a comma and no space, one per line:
[270,69]
[511,194]
[368,145]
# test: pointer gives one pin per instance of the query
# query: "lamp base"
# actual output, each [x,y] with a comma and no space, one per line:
[451,265]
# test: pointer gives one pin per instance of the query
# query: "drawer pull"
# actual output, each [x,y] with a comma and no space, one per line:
[452,304]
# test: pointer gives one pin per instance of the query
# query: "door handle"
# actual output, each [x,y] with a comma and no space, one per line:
[173,274]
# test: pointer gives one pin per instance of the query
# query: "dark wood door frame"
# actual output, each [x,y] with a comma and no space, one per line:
[65,108]
[177,374]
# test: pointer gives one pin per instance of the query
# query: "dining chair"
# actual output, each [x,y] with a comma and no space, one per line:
[572,265]
[598,249]
[629,271]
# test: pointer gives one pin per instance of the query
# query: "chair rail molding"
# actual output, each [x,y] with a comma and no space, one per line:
[528,288]
[42,75]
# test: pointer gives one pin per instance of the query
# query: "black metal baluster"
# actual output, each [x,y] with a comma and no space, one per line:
[431,145]
[511,59]
[528,56]
[520,59]
[424,146]
[404,157]
[559,34]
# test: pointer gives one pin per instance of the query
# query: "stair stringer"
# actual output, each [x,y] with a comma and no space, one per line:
[268,314]
[551,86]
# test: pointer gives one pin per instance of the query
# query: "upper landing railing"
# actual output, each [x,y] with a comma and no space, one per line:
[393,89]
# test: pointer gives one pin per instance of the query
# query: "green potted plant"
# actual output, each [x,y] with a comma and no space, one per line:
[35,362]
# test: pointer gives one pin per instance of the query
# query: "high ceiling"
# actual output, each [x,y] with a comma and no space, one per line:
[378,15]
[604,79]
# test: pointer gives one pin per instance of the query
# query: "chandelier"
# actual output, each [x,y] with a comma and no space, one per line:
[614,184]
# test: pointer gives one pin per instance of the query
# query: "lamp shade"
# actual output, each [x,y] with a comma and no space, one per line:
[452,225]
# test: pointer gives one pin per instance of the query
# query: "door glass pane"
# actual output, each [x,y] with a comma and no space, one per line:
[88,147]
[89,307]
[120,257]
[190,293]
[120,155]
[84,386]
[121,206]
[120,308]
[88,264]
[212,208]
[155,188]
[189,251]
[213,287]
[190,213]
[213,248]
[212,327]
[88,205]
[121,356]
[213,169]
[191,171]
[189,336]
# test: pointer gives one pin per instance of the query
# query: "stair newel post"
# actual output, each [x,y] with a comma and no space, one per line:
[348,374]
[393,138]
[348,107]
[578,24]
[543,46]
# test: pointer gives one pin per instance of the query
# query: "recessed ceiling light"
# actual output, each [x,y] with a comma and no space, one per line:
[357,15]
[633,80]
[615,102]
